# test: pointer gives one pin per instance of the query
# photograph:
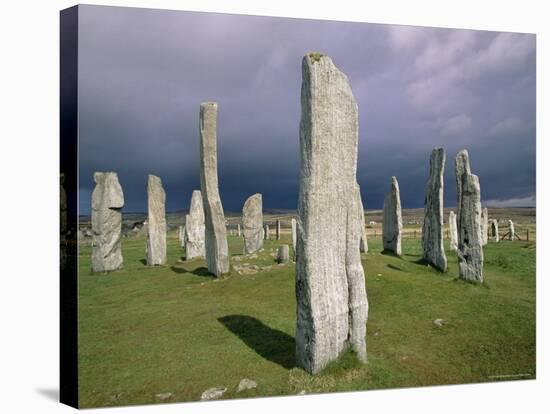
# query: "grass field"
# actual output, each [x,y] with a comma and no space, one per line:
[174,329]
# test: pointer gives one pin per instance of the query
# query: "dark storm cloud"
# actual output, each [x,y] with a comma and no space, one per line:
[143,74]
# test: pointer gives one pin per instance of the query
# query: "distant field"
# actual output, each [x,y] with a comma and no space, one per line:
[175,329]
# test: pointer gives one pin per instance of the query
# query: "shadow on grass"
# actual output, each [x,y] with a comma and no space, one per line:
[272,344]
[143,262]
[199,271]
[390,253]
[395,267]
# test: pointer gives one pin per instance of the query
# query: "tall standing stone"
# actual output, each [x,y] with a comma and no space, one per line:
[462,165]
[239,230]
[494,231]
[294,235]
[470,246]
[331,297]
[156,222]
[453,232]
[252,224]
[217,255]
[266,231]
[511,230]
[433,251]
[484,226]
[363,242]
[282,254]
[278,229]
[107,202]
[195,228]
[392,226]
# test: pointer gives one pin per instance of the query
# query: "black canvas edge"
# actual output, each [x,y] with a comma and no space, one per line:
[68,151]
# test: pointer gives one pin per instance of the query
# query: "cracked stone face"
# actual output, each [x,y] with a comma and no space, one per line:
[331,296]
[107,203]
[392,226]
[156,222]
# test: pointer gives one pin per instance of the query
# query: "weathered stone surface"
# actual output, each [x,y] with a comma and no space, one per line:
[213,393]
[217,256]
[484,226]
[511,230]
[462,165]
[331,297]
[494,231]
[453,232]
[294,235]
[363,242]
[278,229]
[392,226]
[252,224]
[239,230]
[246,384]
[181,235]
[470,248]
[266,232]
[107,202]
[433,251]
[283,255]
[156,222]
[195,228]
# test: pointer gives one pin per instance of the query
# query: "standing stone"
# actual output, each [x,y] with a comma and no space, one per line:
[293,230]
[484,226]
[283,254]
[252,224]
[278,229]
[470,248]
[462,165]
[156,222]
[181,233]
[453,232]
[195,228]
[239,230]
[217,255]
[433,251]
[494,231]
[392,226]
[266,231]
[331,297]
[363,243]
[107,202]
[511,230]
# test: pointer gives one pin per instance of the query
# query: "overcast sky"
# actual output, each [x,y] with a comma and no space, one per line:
[144,72]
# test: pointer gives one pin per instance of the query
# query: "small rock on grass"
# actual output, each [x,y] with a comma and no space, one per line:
[163,396]
[246,384]
[303,392]
[438,322]
[213,393]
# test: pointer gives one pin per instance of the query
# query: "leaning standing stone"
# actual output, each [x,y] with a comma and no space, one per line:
[156,222]
[484,226]
[283,254]
[453,232]
[494,231]
[330,283]
[195,228]
[433,251]
[217,255]
[252,224]
[392,226]
[470,247]
[107,202]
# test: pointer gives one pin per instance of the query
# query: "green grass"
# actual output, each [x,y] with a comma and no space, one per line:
[145,331]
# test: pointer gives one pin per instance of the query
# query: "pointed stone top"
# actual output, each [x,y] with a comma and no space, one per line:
[316,56]
[153,177]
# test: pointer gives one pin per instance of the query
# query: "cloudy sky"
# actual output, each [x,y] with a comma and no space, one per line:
[143,74]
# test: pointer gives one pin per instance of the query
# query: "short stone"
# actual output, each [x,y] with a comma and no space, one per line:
[213,393]
[246,384]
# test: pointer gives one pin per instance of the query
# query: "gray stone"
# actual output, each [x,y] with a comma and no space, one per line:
[470,246]
[392,226]
[278,229]
[283,255]
[331,296]
[238,230]
[195,228]
[511,230]
[363,242]
[107,202]
[252,224]
[462,165]
[217,255]
[433,251]
[293,230]
[156,222]
[438,322]
[266,231]
[246,384]
[453,232]
[484,226]
[213,393]
[181,234]
[494,231]
[164,396]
